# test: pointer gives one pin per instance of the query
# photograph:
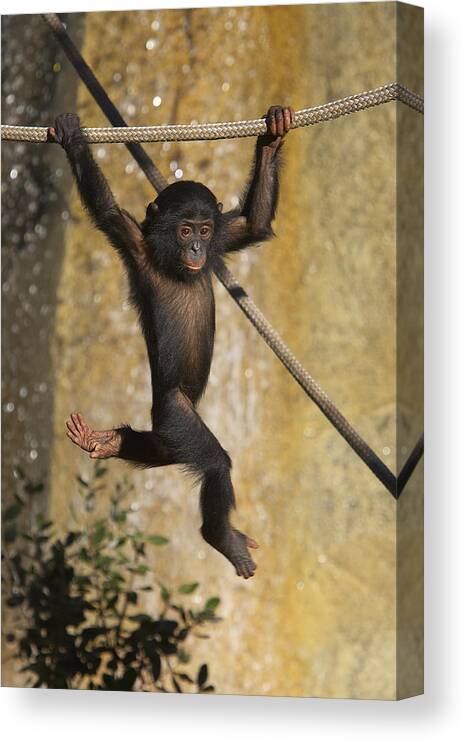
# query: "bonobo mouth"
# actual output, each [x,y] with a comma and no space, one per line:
[194,267]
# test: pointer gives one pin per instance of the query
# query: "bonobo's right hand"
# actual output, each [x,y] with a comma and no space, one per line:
[67,131]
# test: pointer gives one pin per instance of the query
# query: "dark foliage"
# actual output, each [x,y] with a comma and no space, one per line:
[75,598]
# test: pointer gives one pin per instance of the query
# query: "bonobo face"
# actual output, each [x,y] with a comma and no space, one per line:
[180,228]
[194,237]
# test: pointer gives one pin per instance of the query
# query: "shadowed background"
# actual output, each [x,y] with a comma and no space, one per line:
[320,616]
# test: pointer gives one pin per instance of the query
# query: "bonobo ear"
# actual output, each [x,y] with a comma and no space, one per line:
[152,209]
[219,206]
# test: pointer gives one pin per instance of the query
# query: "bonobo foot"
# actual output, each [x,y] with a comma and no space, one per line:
[100,444]
[233,545]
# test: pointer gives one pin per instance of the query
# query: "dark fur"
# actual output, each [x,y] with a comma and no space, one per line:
[176,307]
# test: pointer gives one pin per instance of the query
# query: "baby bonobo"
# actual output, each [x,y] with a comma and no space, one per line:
[169,259]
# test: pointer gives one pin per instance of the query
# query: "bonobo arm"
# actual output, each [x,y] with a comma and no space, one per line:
[253,222]
[121,228]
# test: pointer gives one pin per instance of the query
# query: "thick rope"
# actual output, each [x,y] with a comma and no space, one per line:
[245,303]
[409,466]
[229,129]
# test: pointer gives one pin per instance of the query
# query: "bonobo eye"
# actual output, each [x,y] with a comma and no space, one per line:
[205,231]
[185,231]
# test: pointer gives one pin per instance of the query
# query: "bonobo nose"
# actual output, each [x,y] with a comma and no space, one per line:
[195,247]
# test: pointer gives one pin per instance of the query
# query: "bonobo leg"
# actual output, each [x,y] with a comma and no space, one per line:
[191,443]
[216,500]
[179,437]
[141,447]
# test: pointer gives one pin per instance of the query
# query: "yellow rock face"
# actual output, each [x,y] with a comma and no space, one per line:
[319,618]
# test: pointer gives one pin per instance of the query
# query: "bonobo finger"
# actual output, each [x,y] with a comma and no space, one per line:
[82,423]
[287,119]
[279,122]
[251,543]
[292,113]
[98,452]
[271,121]
[74,435]
[52,135]
[76,421]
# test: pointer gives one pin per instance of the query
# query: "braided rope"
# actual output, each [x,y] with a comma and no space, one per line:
[229,129]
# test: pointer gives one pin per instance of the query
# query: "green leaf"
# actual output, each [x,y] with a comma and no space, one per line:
[10,534]
[100,532]
[114,580]
[13,511]
[83,554]
[113,664]
[202,675]
[72,510]
[158,540]
[183,656]
[176,685]
[100,471]
[156,666]
[119,517]
[141,569]
[41,522]
[131,597]
[103,561]
[165,594]
[139,547]
[212,604]
[140,617]
[71,537]
[112,602]
[188,588]
[34,489]
[15,600]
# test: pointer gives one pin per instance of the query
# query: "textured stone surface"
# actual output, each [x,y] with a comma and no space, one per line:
[319,618]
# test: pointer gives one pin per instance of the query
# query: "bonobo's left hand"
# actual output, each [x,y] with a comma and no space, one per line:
[278,121]
[67,131]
